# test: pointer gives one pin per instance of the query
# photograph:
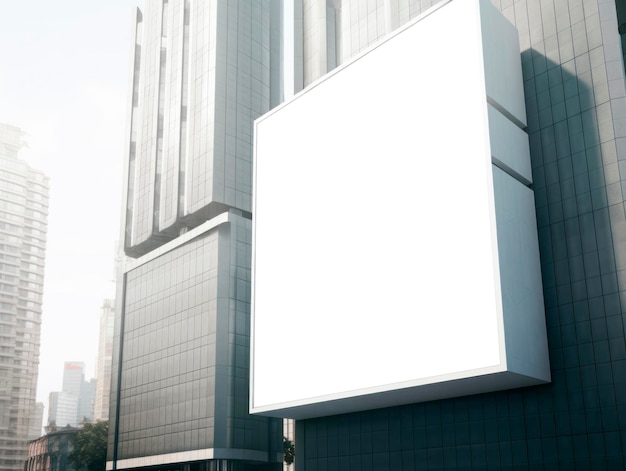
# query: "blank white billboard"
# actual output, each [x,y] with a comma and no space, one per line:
[376,267]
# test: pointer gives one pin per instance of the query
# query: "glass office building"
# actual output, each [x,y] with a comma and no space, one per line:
[201,73]
[574,83]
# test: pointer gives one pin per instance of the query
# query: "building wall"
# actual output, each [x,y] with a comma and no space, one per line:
[289,432]
[86,401]
[37,422]
[23,226]
[575,102]
[318,38]
[73,377]
[183,385]
[365,23]
[63,409]
[201,76]
[333,31]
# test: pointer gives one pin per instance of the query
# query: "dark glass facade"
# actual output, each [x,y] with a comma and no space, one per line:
[576,107]
[183,384]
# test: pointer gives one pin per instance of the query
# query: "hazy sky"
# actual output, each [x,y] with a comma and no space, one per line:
[64,72]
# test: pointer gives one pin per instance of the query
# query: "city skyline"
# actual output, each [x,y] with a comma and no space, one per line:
[64,83]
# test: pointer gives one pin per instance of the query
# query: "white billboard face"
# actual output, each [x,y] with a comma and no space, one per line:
[375,265]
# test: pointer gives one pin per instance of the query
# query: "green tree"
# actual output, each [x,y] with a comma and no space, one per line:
[289,450]
[90,447]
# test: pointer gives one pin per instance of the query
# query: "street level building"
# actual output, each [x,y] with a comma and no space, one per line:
[23,227]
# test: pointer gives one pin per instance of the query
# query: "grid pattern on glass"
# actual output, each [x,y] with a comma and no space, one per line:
[168,377]
[184,377]
[202,75]
[574,84]
[335,31]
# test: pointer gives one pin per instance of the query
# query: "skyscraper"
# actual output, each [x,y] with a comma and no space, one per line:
[73,377]
[23,225]
[575,99]
[203,71]
[103,367]
[75,403]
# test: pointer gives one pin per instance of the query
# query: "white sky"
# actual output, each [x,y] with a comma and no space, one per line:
[64,72]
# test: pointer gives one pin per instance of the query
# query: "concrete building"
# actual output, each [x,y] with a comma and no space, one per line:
[103,367]
[23,226]
[572,71]
[202,72]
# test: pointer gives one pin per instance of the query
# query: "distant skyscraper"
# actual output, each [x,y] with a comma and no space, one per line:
[62,409]
[23,226]
[103,367]
[76,402]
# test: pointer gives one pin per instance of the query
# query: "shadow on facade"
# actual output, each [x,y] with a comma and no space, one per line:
[576,421]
